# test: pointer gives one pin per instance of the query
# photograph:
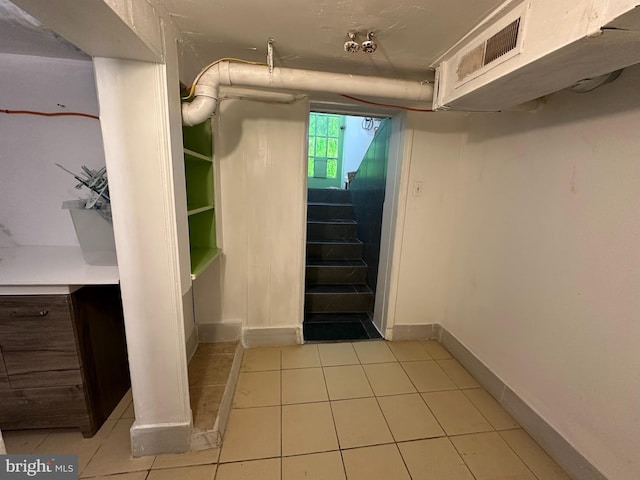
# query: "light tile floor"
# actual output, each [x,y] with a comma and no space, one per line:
[347,411]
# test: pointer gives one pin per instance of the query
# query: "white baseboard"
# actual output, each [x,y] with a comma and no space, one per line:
[219,332]
[202,440]
[192,344]
[271,336]
[413,332]
[547,437]
[160,439]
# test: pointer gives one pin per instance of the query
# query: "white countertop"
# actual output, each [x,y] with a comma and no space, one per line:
[32,270]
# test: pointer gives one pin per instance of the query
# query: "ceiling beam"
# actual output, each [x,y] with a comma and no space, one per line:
[122,29]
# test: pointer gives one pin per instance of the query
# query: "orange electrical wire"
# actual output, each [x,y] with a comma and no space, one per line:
[385,104]
[44,114]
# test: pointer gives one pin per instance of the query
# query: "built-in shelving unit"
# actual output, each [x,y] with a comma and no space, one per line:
[198,161]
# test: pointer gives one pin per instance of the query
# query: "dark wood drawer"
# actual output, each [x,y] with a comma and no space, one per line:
[42,368]
[63,359]
[4,379]
[44,407]
[36,322]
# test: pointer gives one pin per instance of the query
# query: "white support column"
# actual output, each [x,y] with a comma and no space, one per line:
[135,120]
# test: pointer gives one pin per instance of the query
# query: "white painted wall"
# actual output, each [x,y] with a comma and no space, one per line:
[432,150]
[392,225]
[524,245]
[32,188]
[545,272]
[261,160]
[356,144]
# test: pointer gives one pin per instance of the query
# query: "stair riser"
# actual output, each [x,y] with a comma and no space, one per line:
[335,231]
[334,251]
[338,302]
[330,212]
[328,195]
[336,275]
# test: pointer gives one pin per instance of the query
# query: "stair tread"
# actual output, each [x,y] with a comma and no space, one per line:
[329,204]
[341,221]
[335,263]
[339,241]
[335,317]
[339,288]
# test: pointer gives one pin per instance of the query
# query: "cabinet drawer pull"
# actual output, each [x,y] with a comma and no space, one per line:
[41,313]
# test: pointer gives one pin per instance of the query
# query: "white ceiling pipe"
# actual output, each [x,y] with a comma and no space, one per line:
[246,75]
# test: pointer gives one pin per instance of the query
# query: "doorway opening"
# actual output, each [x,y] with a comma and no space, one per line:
[347,165]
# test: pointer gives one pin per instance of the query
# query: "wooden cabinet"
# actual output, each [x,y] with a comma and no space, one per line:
[63,359]
[198,160]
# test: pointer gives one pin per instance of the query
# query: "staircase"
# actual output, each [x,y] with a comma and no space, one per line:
[338,302]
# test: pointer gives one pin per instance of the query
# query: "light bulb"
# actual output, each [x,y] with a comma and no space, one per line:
[351,45]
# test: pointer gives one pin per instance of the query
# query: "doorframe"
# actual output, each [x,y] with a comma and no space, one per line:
[392,226]
[392,213]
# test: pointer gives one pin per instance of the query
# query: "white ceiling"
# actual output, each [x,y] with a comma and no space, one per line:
[310,34]
[411,35]
[21,34]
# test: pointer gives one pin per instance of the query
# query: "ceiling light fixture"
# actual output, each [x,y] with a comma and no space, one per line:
[351,45]
[369,45]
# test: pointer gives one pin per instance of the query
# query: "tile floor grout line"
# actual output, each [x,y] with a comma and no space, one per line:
[462,457]
[382,411]
[517,455]
[425,349]
[423,399]
[451,377]
[45,437]
[99,447]
[404,462]
[333,418]
[326,388]
[49,434]
[479,411]
[281,411]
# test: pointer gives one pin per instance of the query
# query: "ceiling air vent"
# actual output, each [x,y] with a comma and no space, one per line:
[502,42]
[489,50]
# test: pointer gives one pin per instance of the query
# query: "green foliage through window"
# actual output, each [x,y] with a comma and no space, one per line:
[325,142]
[332,168]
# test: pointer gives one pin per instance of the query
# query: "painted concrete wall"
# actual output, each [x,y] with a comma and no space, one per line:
[545,271]
[32,188]
[261,160]
[356,143]
[433,145]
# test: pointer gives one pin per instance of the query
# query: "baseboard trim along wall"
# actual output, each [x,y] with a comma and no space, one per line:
[192,344]
[219,332]
[549,439]
[271,336]
[413,332]
[202,440]
[227,397]
[160,439]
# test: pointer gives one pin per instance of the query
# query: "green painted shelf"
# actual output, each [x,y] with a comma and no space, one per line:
[201,258]
[196,210]
[198,162]
[190,155]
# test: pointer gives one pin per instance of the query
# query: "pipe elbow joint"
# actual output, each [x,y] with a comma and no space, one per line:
[196,112]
